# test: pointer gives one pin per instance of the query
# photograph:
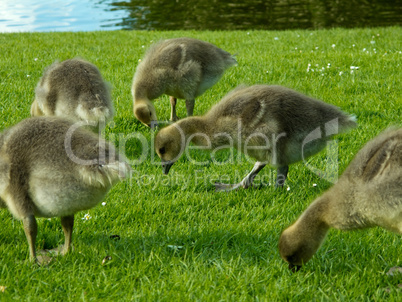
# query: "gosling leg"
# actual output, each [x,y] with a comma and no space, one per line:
[245,183]
[173,116]
[282,173]
[67,223]
[190,107]
[31,230]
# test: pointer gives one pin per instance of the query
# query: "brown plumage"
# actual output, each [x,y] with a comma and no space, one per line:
[368,194]
[273,124]
[183,68]
[73,89]
[51,168]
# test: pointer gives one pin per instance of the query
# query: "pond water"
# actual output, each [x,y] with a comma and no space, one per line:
[88,15]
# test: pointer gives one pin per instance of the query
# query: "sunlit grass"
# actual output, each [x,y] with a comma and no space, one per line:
[177,238]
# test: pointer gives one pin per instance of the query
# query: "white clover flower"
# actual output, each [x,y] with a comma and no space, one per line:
[340,73]
[248,33]
[353,45]
[316,48]
[103,203]
[288,189]
[86,217]
[308,64]
[28,75]
[354,67]
[314,185]
[295,47]
[36,59]
[143,46]
[276,38]
[333,45]
[372,42]
[364,49]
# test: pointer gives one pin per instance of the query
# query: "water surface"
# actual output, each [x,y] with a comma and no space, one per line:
[88,15]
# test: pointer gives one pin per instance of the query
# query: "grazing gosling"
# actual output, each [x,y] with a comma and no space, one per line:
[73,89]
[273,124]
[51,168]
[368,194]
[183,68]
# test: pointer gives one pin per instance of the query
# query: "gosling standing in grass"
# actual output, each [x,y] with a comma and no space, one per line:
[368,194]
[183,68]
[73,89]
[273,124]
[50,168]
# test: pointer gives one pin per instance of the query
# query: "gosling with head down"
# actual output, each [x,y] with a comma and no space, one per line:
[51,168]
[368,194]
[273,124]
[183,68]
[73,89]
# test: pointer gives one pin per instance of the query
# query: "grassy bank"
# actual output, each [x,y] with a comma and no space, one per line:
[178,238]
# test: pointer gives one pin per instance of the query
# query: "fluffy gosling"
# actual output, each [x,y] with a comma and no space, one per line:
[183,68]
[50,168]
[368,194]
[273,124]
[73,89]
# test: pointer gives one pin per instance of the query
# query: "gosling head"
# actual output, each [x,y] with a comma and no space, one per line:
[145,113]
[169,145]
[296,248]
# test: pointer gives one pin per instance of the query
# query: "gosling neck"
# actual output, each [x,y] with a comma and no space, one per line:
[196,130]
[312,222]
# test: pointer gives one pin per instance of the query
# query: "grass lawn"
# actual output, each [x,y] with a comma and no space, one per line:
[177,238]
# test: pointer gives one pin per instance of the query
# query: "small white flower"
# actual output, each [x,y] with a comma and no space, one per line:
[298,36]
[351,71]
[316,48]
[139,60]
[372,42]
[354,67]
[288,189]
[364,49]
[28,75]
[143,46]
[322,74]
[175,247]
[276,38]
[86,217]
[248,33]
[333,45]
[353,45]
[36,59]
[103,203]
[295,47]
[340,73]
[314,185]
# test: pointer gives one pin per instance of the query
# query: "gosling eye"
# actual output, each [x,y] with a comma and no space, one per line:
[162,150]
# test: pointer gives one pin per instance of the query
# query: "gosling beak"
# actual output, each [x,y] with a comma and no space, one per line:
[153,125]
[166,166]
[294,268]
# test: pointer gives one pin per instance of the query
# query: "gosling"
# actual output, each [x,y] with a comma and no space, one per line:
[74,89]
[52,168]
[368,194]
[273,124]
[183,68]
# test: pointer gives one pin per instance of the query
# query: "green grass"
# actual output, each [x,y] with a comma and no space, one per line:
[228,240]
